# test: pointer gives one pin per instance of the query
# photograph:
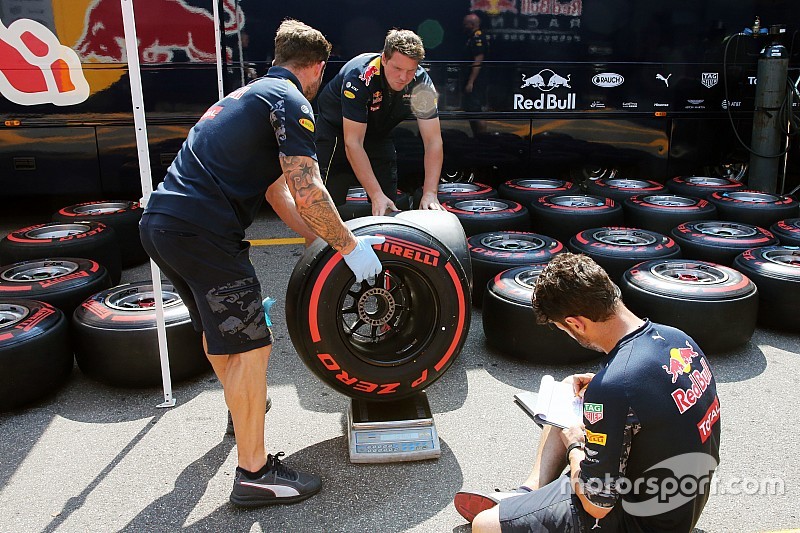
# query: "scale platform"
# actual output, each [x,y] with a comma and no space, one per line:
[388,432]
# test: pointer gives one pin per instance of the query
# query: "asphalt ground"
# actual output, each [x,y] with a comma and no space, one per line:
[96,458]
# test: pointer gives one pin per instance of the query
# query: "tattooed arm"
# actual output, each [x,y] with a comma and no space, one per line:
[314,204]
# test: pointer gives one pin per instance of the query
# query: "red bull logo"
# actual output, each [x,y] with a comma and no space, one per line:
[680,361]
[494,7]
[190,29]
[371,70]
[685,399]
[35,68]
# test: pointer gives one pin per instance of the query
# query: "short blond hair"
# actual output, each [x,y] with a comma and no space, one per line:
[406,42]
[298,44]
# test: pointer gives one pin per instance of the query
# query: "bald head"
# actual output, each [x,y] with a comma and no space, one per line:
[472,22]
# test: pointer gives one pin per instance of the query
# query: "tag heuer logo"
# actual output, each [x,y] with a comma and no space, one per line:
[593,412]
[709,79]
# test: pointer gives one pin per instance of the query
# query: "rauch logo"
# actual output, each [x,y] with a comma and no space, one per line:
[608,79]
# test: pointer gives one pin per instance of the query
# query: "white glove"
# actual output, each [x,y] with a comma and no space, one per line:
[362,259]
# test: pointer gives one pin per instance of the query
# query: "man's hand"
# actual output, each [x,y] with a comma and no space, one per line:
[429,200]
[381,204]
[468,87]
[579,382]
[362,259]
[573,434]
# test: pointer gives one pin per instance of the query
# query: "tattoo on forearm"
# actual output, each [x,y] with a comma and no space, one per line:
[313,201]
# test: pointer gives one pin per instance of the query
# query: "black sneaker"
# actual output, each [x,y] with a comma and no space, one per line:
[280,485]
[229,429]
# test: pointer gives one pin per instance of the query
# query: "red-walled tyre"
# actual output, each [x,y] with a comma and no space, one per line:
[716,305]
[662,212]
[90,240]
[527,190]
[449,192]
[384,340]
[754,207]
[618,189]
[115,336]
[776,272]
[495,251]
[562,216]
[701,186]
[509,323]
[719,241]
[61,282]
[787,231]
[618,249]
[122,215]
[358,204]
[35,356]
[493,214]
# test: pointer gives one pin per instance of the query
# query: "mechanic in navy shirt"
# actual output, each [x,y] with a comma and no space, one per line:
[649,444]
[358,109]
[476,50]
[194,228]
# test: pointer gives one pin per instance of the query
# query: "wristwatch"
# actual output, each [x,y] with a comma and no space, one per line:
[572,446]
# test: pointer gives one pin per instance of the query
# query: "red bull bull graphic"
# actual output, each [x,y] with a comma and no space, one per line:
[35,68]
[373,69]
[680,361]
[494,7]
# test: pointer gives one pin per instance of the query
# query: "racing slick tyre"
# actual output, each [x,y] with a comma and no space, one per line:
[388,339]
[618,189]
[509,323]
[358,204]
[754,207]
[787,231]
[63,282]
[662,212]
[719,241]
[618,249]
[35,357]
[90,240]
[449,192]
[562,216]
[122,215]
[701,186]
[492,214]
[495,251]
[714,304]
[115,337]
[776,272]
[527,190]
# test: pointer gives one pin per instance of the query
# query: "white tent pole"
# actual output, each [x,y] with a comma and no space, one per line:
[137,98]
[218,47]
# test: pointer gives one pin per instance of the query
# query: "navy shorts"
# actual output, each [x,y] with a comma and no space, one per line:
[215,279]
[554,507]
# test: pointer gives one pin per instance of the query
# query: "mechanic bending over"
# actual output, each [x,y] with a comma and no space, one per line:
[358,109]
[194,229]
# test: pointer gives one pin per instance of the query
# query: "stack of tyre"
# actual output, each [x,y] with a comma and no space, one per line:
[58,303]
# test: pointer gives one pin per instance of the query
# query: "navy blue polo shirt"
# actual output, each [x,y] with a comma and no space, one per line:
[654,401]
[231,155]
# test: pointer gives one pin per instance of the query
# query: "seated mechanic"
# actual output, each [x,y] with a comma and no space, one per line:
[653,400]
[358,109]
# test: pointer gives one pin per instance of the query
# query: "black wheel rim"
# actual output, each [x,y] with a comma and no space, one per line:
[513,243]
[38,270]
[141,298]
[753,197]
[668,200]
[783,256]
[457,176]
[689,272]
[624,237]
[481,206]
[11,314]
[102,208]
[389,322]
[576,201]
[56,231]
[527,278]
[725,229]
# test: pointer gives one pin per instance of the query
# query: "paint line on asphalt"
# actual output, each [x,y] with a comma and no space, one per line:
[276,242]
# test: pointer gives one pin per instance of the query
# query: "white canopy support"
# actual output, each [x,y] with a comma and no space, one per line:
[218,47]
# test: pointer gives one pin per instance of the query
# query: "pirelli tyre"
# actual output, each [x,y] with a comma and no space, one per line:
[562,216]
[618,189]
[35,353]
[388,339]
[618,249]
[662,212]
[115,337]
[719,241]
[509,323]
[359,205]
[716,305]
[449,192]
[787,231]
[776,272]
[702,186]
[754,207]
[493,214]
[61,282]
[90,240]
[527,190]
[122,215]
[495,251]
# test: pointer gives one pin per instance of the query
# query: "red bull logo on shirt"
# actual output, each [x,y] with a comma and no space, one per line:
[373,69]
[680,361]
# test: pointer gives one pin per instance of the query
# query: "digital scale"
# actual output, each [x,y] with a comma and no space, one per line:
[387,432]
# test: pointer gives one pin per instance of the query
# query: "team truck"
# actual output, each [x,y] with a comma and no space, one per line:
[576,89]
